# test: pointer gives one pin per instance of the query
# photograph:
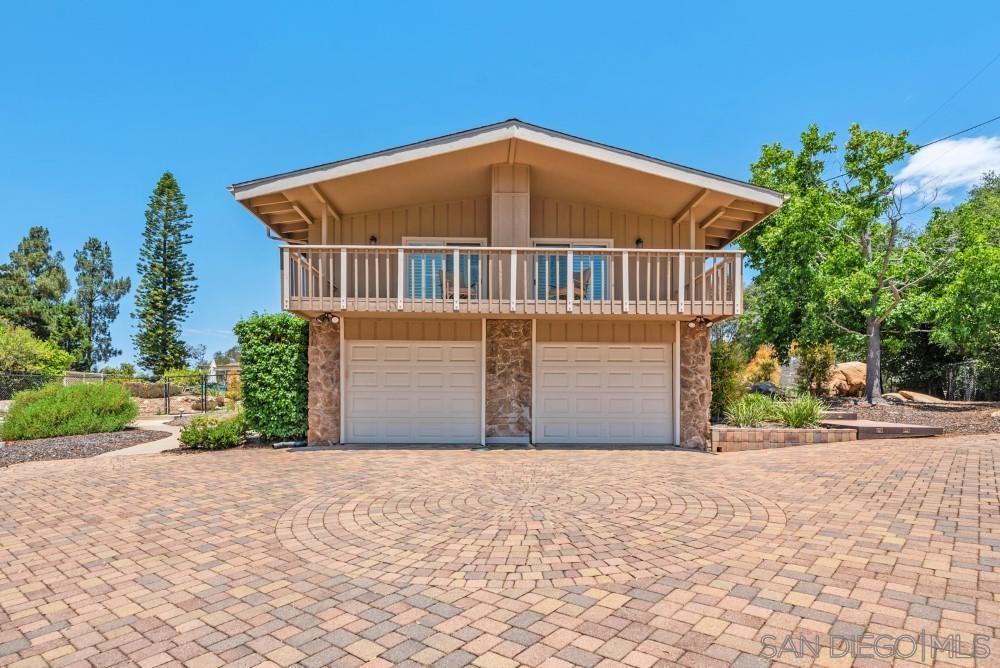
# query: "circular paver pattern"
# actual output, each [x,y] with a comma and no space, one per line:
[522,526]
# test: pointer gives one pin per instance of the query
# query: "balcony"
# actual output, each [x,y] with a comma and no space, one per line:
[480,280]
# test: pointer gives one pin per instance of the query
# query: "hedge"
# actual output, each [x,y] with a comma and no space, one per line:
[57,410]
[274,372]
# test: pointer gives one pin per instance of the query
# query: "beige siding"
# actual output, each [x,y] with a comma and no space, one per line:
[400,329]
[567,331]
[468,217]
[511,205]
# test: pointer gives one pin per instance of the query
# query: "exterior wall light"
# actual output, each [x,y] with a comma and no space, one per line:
[372,240]
[638,242]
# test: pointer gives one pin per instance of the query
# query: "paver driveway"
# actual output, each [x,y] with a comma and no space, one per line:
[556,557]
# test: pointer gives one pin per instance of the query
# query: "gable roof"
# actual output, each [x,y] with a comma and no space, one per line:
[510,129]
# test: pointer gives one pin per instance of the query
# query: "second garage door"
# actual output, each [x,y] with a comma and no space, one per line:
[603,393]
[413,392]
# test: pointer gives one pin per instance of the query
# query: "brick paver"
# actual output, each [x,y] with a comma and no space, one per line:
[499,558]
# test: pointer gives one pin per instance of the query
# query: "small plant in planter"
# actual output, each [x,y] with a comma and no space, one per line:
[802,412]
[750,410]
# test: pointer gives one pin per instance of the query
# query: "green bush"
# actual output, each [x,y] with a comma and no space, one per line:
[728,361]
[802,412]
[214,433]
[750,410]
[815,366]
[275,374]
[56,410]
[21,352]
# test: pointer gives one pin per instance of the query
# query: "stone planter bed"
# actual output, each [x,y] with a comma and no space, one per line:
[738,439]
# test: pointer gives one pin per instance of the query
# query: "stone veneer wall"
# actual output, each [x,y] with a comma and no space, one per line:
[324,382]
[696,387]
[508,378]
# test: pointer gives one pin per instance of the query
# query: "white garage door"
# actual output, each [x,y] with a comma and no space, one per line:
[603,393]
[413,392]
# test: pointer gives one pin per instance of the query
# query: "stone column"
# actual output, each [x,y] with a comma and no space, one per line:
[324,382]
[696,387]
[508,379]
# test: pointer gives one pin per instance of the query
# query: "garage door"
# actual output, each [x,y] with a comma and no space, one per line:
[413,392]
[603,393]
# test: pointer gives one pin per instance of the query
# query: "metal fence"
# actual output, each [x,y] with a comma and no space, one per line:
[173,394]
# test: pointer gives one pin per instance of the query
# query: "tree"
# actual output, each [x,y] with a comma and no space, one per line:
[22,352]
[97,295]
[837,262]
[68,331]
[964,300]
[230,356]
[166,279]
[33,284]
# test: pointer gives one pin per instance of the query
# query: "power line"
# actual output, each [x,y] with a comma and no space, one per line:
[930,143]
[956,93]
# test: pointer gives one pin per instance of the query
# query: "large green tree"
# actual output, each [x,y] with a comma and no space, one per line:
[963,300]
[166,279]
[97,295]
[33,284]
[837,262]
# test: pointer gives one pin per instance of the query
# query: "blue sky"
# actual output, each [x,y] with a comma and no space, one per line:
[98,99]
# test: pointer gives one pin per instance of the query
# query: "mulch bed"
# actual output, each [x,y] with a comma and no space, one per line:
[74,447]
[957,417]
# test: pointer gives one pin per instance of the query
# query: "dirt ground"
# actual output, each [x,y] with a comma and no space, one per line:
[957,417]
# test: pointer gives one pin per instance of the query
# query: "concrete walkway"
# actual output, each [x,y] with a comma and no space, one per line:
[152,447]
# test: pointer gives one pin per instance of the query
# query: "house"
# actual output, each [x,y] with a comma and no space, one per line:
[508,284]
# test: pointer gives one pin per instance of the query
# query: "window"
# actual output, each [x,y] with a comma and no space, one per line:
[425,270]
[589,271]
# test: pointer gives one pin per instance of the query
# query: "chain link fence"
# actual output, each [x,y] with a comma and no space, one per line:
[175,393]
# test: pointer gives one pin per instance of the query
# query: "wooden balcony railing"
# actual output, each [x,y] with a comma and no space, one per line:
[528,281]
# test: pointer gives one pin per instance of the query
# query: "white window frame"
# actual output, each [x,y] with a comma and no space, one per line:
[574,243]
[444,241]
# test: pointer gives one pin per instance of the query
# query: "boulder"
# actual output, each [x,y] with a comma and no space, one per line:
[767,388]
[919,398]
[995,415]
[895,397]
[847,379]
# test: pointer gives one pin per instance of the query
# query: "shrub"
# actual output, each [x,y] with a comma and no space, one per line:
[21,352]
[763,367]
[274,372]
[804,411]
[728,361]
[56,410]
[214,433]
[750,411]
[815,366]
[145,390]
[234,386]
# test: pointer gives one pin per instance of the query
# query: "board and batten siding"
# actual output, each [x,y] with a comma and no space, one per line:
[412,329]
[569,331]
[555,219]
[469,217]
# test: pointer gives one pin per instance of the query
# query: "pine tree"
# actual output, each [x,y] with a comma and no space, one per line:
[33,284]
[97,295]
[166,279]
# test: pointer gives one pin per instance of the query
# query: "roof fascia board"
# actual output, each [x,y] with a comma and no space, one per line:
[500,132]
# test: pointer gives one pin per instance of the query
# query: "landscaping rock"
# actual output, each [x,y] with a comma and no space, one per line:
[767,388]
[847,379]
[895,398]
[920,398]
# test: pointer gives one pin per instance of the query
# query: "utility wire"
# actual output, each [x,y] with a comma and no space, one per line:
[956,93]
[930,143]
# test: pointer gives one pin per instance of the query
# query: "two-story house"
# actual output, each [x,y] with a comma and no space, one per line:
[508,284]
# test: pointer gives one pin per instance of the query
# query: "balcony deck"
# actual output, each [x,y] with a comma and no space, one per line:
[511,282]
